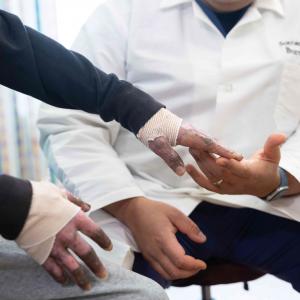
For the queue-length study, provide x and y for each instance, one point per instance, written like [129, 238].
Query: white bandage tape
[50, 211]
[163, 123]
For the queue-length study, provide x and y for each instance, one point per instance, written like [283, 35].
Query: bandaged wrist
[50, 211]
[163, 123]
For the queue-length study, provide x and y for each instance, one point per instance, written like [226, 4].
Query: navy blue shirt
[223, 21]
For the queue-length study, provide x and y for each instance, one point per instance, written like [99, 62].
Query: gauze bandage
[50, 211]
[163, 123]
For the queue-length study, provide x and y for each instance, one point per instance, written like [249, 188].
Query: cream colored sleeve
[50, 211]
[163, 123]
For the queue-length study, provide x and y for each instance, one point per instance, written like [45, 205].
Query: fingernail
[239, 156]
[202, 236]
[87, 287]
[180, 171]
[86, 207]
[201, 265]
[102, 275]
[109, 248]
[204, 266]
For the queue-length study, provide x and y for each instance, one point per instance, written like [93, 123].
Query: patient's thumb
[272, 147]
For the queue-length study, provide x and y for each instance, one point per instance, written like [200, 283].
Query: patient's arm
[258, 176]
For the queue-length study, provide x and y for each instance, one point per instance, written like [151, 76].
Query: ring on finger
[218, 183]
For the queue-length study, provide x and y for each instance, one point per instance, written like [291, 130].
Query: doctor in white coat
[239, 85]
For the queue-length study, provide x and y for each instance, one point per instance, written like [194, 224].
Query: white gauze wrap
[50, 211]
[163, 123]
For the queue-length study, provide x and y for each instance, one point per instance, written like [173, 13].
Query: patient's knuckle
[172, 157]
[210, 144]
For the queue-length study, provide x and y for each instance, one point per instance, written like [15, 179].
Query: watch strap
[283, 186]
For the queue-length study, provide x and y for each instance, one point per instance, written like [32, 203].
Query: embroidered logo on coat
[291, 47]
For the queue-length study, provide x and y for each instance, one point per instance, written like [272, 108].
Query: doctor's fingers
[176, 254]
[168, 270]
[87, 254]
[229, 184]
[89, 228]
[207, 164]
[193, 138]
[161, 147]
[161, 261]
[202, 180]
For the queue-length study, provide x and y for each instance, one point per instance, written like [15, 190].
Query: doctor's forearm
[122, 210]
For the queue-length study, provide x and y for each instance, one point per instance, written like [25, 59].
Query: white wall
[70, 17]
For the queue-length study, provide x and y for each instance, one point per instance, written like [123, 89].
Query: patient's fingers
[75, 269]
[90, 229]
[87, 254]
[163, 149]
[77, 201]
[192, 138]
[55, 270]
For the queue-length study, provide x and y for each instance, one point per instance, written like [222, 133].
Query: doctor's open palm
[258, 176]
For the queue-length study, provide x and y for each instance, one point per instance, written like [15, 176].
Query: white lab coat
[239, 90]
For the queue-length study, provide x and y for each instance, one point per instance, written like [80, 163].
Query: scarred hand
[62, 264]
[191, 138]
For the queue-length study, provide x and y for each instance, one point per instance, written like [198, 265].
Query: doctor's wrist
[270, 185]
[124, 210]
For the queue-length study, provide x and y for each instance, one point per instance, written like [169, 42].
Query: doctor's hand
[154, 226]
[165, 130]
[258, 176]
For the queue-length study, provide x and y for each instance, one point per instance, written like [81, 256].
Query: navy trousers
[245, 236]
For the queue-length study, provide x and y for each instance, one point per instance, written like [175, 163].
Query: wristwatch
[282, 188]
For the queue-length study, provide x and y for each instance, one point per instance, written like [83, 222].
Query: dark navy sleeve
[15, 201]
[38, 66]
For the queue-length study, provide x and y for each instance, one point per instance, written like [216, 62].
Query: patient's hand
[191, 138]
[258, 176]
[63, 266]
[154, 225]
[166, 130]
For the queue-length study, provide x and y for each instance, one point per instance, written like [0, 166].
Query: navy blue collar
[223, 21]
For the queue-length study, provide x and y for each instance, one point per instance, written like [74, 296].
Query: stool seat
[220, 272]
